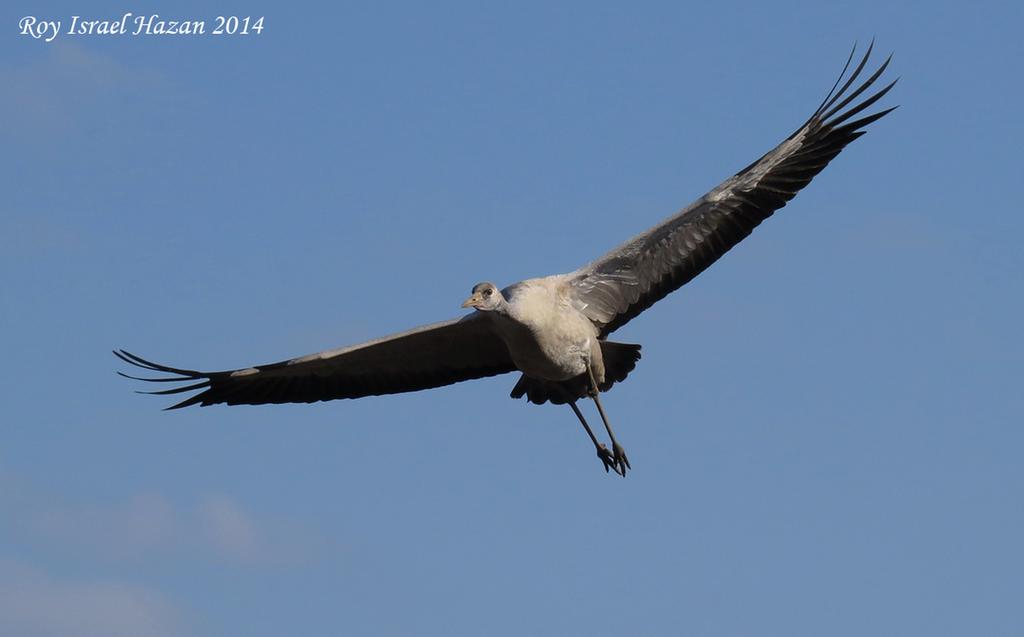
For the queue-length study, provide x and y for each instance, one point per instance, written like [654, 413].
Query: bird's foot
[619, 459]
[610, 463]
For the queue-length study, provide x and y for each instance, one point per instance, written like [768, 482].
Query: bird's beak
[471, 301]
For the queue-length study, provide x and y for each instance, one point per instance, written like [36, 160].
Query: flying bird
[555, 329]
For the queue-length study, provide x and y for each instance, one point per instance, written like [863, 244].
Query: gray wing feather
[626, 281]
[420, 358]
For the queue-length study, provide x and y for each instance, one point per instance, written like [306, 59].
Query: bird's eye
[487, 292]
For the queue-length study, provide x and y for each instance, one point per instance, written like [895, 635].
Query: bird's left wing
[626, 281]
[420, 358]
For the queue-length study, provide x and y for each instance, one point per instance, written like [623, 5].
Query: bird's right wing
[421, 358]
[631, 278]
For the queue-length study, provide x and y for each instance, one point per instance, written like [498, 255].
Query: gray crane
[554, 329]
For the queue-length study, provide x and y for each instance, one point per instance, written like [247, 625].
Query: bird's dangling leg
[618, 453]
[602, 451]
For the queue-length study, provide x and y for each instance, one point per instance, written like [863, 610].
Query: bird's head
[486, 297]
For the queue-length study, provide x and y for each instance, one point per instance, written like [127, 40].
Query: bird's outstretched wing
[421, 358]
[626, 281]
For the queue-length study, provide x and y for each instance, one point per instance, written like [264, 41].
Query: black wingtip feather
[138, 361]
[838, 80]
[867, 103]
[864, 121]
[856, 93]
[849, 81]
[171, 379]
[178, 376]
[188, 402]
[177, 390]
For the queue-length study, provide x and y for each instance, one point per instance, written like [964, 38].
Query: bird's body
[547, 337]
[554, 329]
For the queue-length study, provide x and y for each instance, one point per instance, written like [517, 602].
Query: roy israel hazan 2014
[131, 24]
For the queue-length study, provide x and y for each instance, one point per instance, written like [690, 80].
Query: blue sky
[825, 428]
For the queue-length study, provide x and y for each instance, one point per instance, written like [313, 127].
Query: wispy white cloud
[135, 535]
[231, 529]
[45, 96]
[150, 525]
[34, 603]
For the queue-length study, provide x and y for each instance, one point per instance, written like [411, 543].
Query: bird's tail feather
[619, 360]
